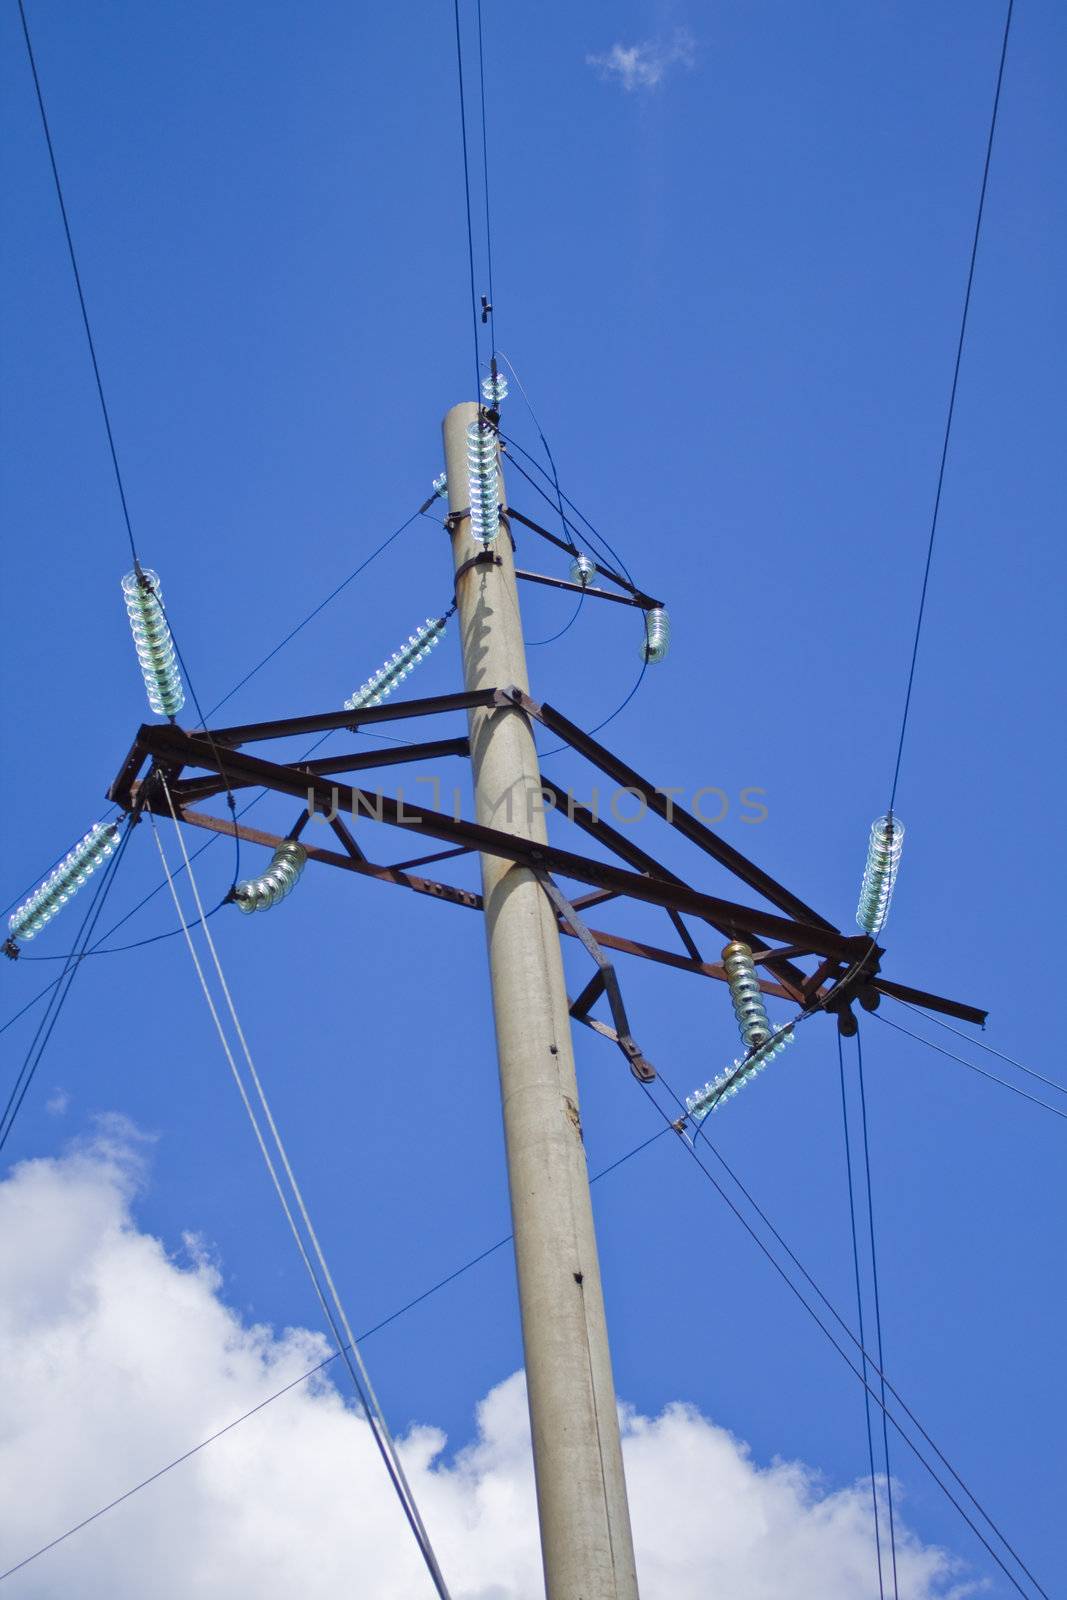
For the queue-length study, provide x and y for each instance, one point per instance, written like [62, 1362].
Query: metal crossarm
[847, 968]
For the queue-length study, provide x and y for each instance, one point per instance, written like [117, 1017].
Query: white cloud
[643, 66]
[117, 1357]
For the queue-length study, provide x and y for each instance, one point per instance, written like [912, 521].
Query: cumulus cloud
[643, 66]
[118, 1356]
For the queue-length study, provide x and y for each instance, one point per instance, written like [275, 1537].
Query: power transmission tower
[585, 1528]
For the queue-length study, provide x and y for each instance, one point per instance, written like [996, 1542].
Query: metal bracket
[604, 981]
[484, 558]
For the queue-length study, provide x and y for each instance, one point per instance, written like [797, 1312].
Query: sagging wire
[534, 644]
[307, 1242]
[619, 709]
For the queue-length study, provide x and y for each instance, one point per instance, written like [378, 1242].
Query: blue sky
[733, 296]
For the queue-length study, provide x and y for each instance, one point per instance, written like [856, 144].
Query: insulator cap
[494, 390]
[440, 484]
[583, 570]
[483, 481]
[152, 638]
[727, 1084]
[657, 640]
[402, 662]
[745, 992]
[260, 894]
[880, 874]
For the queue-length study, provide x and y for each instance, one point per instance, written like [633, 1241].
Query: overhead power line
[303, 1233]
[798, 1293]
[77, 280]
[467, 194]
[1004, 1083]
[877, 1316]
[951, 406]
[859, 1314]
[974, 1039]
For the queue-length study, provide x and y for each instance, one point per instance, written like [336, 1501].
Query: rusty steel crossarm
[196, 789]
[788, 974]
[333, 858]
[930, 1002]
[326, 721]
[398, 875]
[690, 827]
[172, 747]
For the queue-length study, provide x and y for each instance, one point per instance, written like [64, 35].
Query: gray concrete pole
[586, 1542]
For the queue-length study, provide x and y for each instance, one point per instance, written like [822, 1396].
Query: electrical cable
[877, 1315]
[544, 754]
[548, 452]
[859, 1314]
[119, 949]
[533, 644]
[295, 1383]
[689, 1145]
[485, 182]
[973, 1039]
[843, 1325]
[1004, 1083]
[951, 404]
[77, 279]
[315, 611]
[600, 539]
[60, 991]
[332, 1306]
[467, 191]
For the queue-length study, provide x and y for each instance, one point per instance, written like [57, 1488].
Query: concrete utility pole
[581, 1491]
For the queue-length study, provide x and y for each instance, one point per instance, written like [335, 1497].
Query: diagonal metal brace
[605, 981]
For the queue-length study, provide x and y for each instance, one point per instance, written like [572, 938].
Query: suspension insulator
[155, 646]
[583, 570]
[64, 881]
[657, 640]
[404, 661]
[260, 894]
[494, 390]
[749, 1009]
[880, 874]
[440, 485]
[483, 481]
[727, 1084]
